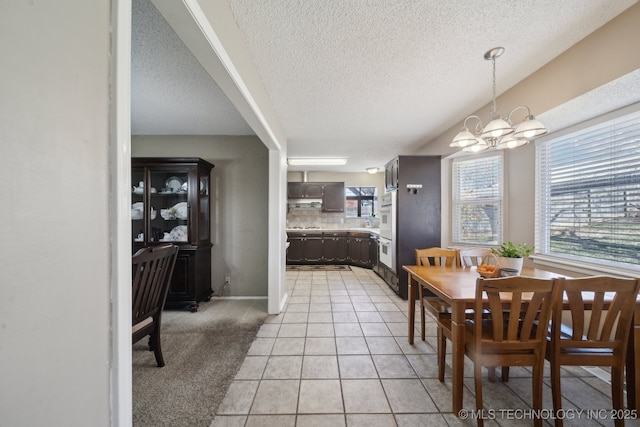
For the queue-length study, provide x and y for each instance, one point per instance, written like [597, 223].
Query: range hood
[304, 203]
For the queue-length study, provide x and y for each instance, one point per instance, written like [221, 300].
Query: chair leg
[491, 373]
[617, 380]
[442, 352]
[477, 373]
[556, 392]
[154, 343]
[536, 391]
[505, 374]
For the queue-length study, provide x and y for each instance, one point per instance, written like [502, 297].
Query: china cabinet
[171, 204]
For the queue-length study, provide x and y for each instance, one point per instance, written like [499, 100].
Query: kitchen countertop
[371, 230]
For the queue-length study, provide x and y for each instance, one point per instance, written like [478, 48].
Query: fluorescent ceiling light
[316, 161]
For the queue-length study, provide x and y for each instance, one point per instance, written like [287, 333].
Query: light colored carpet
[203, 351]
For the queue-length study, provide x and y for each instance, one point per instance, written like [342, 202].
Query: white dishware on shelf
[181, 210]
[173, 184]
[137, 210]
[180, 233]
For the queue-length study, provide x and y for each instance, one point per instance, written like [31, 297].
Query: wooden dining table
[456, 286]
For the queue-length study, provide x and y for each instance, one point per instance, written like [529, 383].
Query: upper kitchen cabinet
[391, 175]
[333, 197]
[171, 204]
[304, 190]
[331, 194]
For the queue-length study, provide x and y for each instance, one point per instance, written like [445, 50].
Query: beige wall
[55, 356]
[239, 183]
[607, 54]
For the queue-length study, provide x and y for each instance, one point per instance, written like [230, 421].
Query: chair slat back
[601, 310]
[518, 309]
[152, 270]
[436, 257]
[472, 256]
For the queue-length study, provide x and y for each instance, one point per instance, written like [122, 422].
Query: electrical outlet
[227, 280]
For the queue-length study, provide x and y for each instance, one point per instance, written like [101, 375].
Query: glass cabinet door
[168, 206]
[203, 211]
[137, 205]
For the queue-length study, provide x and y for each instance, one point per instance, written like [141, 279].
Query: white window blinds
[588, 193]
[477, 200]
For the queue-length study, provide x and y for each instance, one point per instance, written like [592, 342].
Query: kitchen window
[477, 200]
[588, 193]
[360, 201]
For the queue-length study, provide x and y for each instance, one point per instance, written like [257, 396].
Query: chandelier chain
[495, 109]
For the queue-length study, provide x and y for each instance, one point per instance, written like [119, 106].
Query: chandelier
[499, 133]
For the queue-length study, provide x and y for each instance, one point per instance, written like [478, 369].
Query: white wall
[54, 220]
[239, 187]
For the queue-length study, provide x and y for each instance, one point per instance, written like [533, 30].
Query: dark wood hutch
[171, 203]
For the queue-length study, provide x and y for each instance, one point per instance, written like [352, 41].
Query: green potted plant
[511, 256]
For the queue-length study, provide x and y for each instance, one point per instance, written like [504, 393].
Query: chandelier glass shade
[500, 133]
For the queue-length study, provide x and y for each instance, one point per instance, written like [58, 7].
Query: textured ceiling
[364, 79]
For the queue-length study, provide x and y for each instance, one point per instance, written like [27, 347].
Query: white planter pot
[511, 263]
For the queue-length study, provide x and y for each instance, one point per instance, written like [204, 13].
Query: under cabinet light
[317, 161]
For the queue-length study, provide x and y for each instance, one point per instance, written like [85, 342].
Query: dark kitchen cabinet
[304, 190]
[333, 197]
[295, 252]
[304, 248]
[313, 248]
[359, 245]
[391, 170]
[338, 247]
[331, 193]
[334, 247]
[171, 204]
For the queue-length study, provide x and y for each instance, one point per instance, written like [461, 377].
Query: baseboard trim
[239, 297]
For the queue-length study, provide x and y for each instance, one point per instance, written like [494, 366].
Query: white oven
[387, 246]
[387, 214]
[387, 253]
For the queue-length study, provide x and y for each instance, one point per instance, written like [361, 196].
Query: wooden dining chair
[512, 328]
[465, 258]
[435, 257]
[598, 334]
[470, 257]
[152, 271]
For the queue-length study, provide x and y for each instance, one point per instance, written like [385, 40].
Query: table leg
[412, 306]
[457, 355]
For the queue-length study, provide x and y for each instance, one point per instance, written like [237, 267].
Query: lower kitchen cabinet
[313, 248]
[359, 245]
[334, 247]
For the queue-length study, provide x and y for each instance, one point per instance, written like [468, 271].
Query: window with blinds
[588, 192]
[477, 200]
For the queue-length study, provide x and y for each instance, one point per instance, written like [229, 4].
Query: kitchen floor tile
[338, 355]
[320, 396]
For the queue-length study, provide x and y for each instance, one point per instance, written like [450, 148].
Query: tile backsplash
[329, 220]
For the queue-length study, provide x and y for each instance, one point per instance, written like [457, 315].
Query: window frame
[360, 198]
[456, 233]
[544, 254]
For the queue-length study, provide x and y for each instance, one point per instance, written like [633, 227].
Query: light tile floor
[338, 356]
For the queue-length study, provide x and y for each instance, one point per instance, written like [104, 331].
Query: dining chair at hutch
[509, 330]
[601, 310]
[152, 271]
